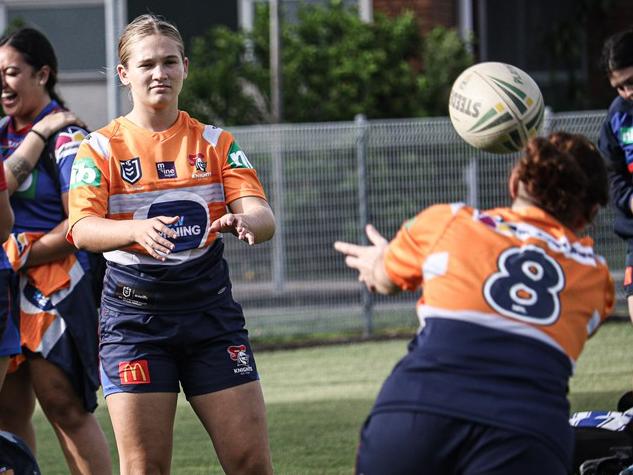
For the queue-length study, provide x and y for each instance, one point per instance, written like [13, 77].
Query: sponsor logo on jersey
[238, 354]
[626, 135]
[85, 173]
[191, 225]
[134, 372]
[166, 170]
[131, 170]
[131, 296]
[237, 158]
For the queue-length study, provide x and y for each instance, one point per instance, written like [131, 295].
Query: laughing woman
[57, 316]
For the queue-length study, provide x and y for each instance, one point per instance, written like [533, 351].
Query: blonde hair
[147, 25]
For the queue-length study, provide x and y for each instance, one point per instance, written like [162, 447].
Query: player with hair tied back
[510, 297]
[154, 190]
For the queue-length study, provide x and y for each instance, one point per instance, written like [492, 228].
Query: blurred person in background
[616, 143]
[510, 295]
[57, 314]
[153, 190]
[9, 343]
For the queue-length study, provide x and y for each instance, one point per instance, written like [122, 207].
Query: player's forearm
[19, 165]
[101, 235]
[50, 247]
[262, 223]
[6, 216]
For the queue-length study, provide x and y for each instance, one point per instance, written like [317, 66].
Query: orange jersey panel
[191, 170]
[516, 271]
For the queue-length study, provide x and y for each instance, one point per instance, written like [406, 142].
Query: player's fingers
[346, 247]
[374, 236]
[149, 247]
[353, 262]
[161, 244]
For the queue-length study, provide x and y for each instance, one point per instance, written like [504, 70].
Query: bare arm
[101, 234]
[250, 219]
[6, 216]
[18, 166]
[369, 261]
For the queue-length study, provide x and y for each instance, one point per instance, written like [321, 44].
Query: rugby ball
[496, 107]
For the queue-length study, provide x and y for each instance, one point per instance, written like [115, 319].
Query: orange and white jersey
[517, 271]
[191, 170]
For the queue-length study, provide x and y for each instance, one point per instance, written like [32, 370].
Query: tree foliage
[334, 67]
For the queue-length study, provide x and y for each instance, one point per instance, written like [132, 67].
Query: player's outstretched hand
[236, 224]
[365, 258]
[154, 234]
[55, 121]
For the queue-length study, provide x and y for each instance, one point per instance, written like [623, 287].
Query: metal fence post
[363, 216]
[279, 246]
[471, 177]
[548, 122]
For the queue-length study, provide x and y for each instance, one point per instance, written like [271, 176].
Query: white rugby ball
[496, 107]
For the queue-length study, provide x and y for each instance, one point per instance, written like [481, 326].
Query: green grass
[317, 399]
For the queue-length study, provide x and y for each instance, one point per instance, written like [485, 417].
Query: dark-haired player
[616, 143]
[510, 297]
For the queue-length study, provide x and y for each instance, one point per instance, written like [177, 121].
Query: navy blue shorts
[203, 352]
[394, 443]
[9, 316]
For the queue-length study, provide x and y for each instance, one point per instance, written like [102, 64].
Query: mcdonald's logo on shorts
[134, 372]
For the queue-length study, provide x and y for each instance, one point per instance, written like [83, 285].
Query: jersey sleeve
[66, 145]
[616, 145]
[414, 241]
[238, 174]
[89, 183]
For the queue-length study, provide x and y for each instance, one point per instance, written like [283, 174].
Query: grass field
[317, 399]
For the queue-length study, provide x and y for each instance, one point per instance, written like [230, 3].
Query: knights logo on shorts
[238, 354]
[131, 170]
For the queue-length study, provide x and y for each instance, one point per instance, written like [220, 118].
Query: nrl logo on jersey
[131, 170]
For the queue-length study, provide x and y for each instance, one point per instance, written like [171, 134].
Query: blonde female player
[510, 297]
[152, 190]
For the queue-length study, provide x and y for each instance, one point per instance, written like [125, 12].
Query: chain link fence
[325, 181]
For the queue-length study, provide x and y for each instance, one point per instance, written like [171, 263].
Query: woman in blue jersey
[57, 314]
[510, 295]
[616, 143]
[6, 224]
[153, 190]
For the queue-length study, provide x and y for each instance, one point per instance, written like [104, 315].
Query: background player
[616, 143]
[152, 189]
[510, 296]
[6, 224]
[58, 332]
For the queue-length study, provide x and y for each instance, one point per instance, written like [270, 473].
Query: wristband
[39, 134]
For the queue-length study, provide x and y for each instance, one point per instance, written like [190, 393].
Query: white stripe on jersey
[524, 231]
[132, 258]
[490, 320]
[129, 203]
